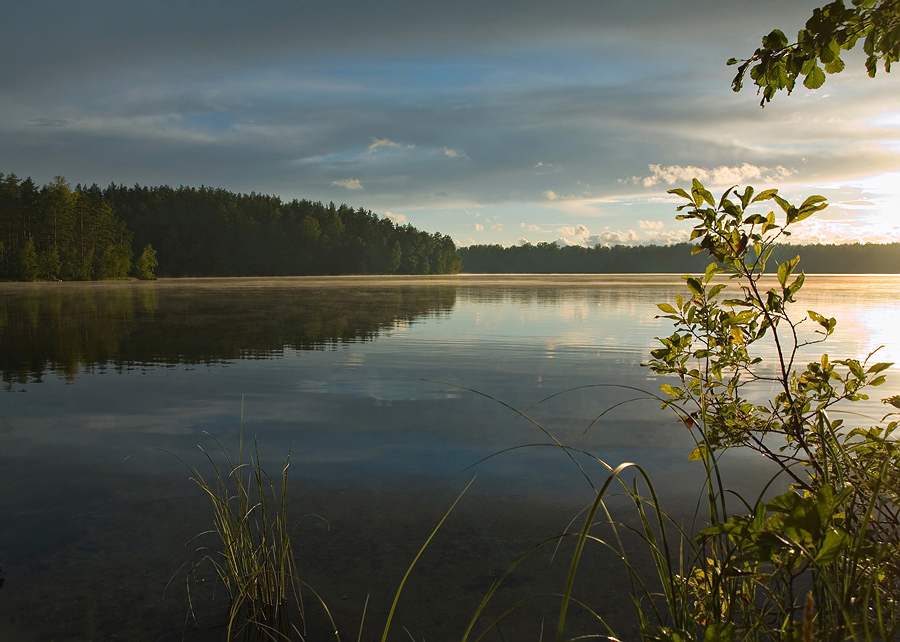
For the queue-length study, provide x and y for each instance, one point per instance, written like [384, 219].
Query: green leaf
[720, 632]
[701, 194]
[832, 545]
[796, 285]
[711, 270]
[670, 390]
[679, 192]
[765, 195]
[814, 79]
[783, 204]
[878, 367]
[700, 453]
[785, 270]
[695, 286]
[715, 290]
[667, 307]
[815, 199]
[775, 40]
[835, 66]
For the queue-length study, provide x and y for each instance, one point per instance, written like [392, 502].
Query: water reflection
[344, 376]
[82, 327]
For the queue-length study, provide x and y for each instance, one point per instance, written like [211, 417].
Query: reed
[254, 560]
[254, 557]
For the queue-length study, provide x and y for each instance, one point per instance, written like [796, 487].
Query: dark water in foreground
[380, 390]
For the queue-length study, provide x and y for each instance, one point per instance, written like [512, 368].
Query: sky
[506, 121]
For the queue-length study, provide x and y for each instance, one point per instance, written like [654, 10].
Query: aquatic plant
[255, 557]
[255, 562]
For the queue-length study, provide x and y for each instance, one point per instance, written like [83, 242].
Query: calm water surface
[389, 395]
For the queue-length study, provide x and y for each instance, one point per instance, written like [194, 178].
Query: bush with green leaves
[820, 561]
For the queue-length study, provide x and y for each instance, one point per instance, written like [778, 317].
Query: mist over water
[386, 391]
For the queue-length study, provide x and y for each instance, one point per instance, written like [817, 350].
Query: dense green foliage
[818, 561]
[550, 258]
[55, 232]
[145, 266]
[214, 232]
[829, 31]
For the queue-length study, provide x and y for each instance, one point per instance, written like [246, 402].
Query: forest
[869, 258]
[57, 232]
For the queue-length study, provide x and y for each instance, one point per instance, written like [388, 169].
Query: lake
[389, 393]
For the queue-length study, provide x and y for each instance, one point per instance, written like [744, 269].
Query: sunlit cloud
[651, 225]
[665, 237]
[478, 227]
[551, 195]
[397, 219]
[381, 142]
[454, 153]
[717, 176]
[349, 183]
[530, 228]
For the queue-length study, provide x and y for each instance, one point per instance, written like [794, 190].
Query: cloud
[614, 237]
[651, 225]
[522, 241]
[579, 232]
[718, 176]
[381, 142]
[581, 235]
[530, 228]
[478, 227]
[668, 237]
[349, 183]
[397, 219]
[551, 195]
[454, 153]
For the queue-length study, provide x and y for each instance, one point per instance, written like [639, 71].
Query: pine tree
[146, 264]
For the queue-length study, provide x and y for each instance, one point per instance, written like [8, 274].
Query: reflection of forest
[65, 331]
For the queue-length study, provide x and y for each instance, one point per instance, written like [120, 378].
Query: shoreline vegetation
[60, 233]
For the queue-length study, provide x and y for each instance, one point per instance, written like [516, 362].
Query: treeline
[551, 258]
[57, 232]
[214, 232]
